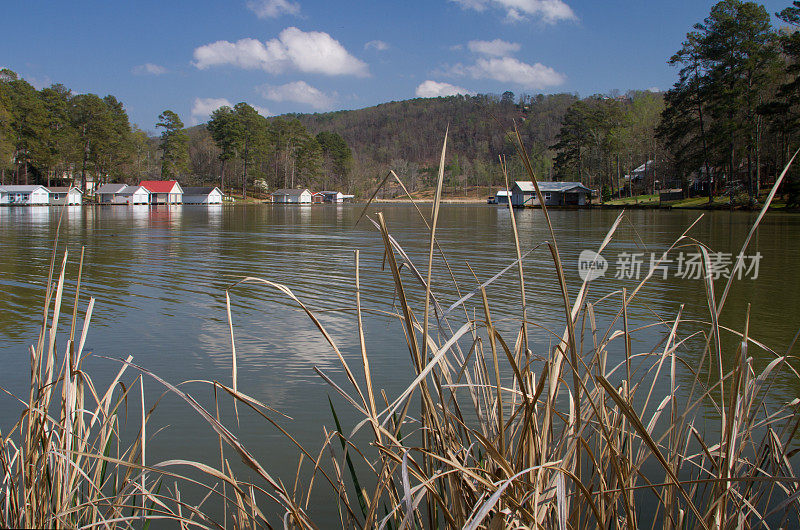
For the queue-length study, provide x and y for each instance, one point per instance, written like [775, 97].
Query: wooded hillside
[407, 135]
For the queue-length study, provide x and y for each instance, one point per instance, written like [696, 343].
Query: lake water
[159, 277]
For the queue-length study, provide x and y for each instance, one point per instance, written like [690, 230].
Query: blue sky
[313, 56]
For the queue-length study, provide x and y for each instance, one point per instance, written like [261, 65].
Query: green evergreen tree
[28, 123]
[174, 146]
[224, 129]
[61, 138]
[337, 158]
[90, 117]
[251, 138]
[118, 149]
[6, 138]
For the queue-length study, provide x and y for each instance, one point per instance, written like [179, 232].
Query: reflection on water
[154, 269]
[159, 275]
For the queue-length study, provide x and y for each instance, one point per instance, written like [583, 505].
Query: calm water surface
[159, 277]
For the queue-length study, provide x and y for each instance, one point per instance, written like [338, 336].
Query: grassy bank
[654, 202]
[720, 202]
[396, 193]
[644, 200]
[493, 430]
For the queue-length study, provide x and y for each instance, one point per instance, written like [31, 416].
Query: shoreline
[426, 201]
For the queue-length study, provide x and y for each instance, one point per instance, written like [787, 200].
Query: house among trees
[292, 196]
[202, 195]
[163, 191]
[554, 194]
[65, 195]
[640, 172]
[24, 195]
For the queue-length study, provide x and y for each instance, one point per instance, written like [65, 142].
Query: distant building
[109, 193]
[65, 195]
[202, 195]
[292, 196]
[639, 173]
[502, 197]
[163, 191]
[334, 196]
[133, 195]
[24, 195]
[91, 183]
[554, 194]
[674, 194]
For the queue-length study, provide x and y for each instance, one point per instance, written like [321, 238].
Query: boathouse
[202, 195]
[334, 196]
[24, 195]
[502, 197]
[554, 194]
[163, 191]
[109, 193]
[291, 196]
[64, 195]
[133, 195]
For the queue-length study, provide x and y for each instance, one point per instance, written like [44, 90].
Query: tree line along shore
[723, 131]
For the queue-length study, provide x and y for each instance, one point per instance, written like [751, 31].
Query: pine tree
[90, 117]
[174, 146]
[225, 132]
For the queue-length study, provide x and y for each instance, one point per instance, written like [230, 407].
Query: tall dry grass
[489, 434]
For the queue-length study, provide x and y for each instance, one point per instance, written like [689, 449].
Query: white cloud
[654, 89]
[273, 8]
[434, 89]
[298, 92]
[203, 107]
[377, 45]
[250, 54]
[309, 52]
[496, 47]
[149, 69]
[549, 11]
[510, 70]
[264, 111]
[318, 52]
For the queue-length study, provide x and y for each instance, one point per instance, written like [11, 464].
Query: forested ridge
[727, 126]
[407, 136]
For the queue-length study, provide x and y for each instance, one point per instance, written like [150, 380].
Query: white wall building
[335, 196]
[64, 196]
[133, 195]
[202, 195]
[164, 191]
[554, 194]
[292, 196]
[109, 193]
[24, 195]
